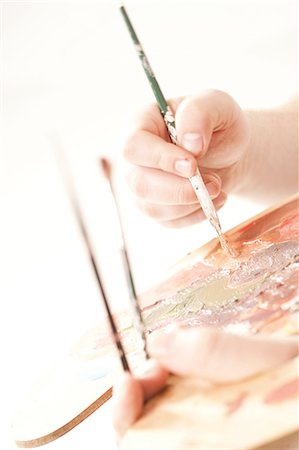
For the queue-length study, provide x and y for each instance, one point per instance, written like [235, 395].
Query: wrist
[268, 171]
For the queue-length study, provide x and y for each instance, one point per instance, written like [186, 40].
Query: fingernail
[184, 167]
[160, 342]
[192, 142]
[213, 188]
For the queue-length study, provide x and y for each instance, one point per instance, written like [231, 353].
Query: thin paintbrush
[78, 214]
[138, 320]
[196, 181]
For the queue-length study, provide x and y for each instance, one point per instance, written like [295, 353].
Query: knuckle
[128, 147]
[214, 93]
[138, 184]
[163, 160]
[147, 118]
[150, 119]
[182, 192]
[150, 210]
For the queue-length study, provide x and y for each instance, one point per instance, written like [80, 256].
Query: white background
[69, 81]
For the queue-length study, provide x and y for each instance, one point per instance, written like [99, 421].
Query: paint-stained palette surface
[254, 293]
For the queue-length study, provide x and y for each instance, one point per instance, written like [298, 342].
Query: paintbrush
[196, 181]
[79, 217]
[137, 315]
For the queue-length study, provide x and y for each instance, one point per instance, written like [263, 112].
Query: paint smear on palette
[246, 294]
[236, 403]
[282, 393]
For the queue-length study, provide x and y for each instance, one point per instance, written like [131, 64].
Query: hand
[213, 355]
[212, 132]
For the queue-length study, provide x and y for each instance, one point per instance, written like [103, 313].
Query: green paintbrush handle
[164, 108]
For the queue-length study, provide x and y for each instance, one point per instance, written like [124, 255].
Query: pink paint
[290, 226]
[283, 392]
[179, 280]
[265, 224]
[235, 404]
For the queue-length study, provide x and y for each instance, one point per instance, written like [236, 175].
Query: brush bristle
[106, 167]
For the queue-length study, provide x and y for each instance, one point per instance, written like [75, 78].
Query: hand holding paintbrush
[196, 180]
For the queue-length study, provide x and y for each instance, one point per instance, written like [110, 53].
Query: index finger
[149, 150]
[149, 144]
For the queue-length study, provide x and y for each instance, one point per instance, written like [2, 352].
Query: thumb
[218, 356]
[197, 117]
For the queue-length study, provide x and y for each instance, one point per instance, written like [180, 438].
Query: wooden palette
[246, 415]
[67, 394]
